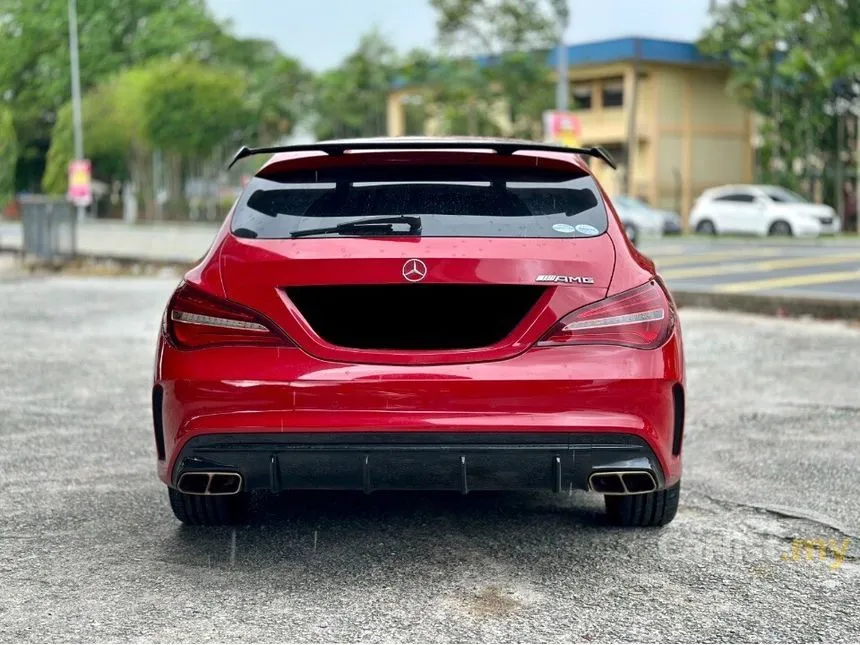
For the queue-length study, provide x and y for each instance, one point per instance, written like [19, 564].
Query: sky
[322, 32]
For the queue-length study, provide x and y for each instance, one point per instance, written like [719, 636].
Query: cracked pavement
[89, 550]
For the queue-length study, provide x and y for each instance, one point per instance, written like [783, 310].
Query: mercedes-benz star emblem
[414, 270]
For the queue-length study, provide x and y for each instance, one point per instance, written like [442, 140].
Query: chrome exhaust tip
[622, 482]
[209, 483]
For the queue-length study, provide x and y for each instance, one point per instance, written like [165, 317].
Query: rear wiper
[369, 226]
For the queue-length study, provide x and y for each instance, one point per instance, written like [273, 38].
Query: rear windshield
[450, 202]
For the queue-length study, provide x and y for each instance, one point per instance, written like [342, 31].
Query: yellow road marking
[755, 267]
[791, 281]
[715, 256]
[675, 249]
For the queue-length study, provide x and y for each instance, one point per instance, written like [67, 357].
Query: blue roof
[644, 49]
[621, 49]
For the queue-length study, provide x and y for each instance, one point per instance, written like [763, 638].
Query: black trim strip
[158, 421]
[501, 146]
[458, 461]
[679, 405]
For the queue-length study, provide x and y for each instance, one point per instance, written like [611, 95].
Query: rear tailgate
[505, 251]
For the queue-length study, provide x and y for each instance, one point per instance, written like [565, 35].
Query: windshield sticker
[585, 229]
[563, 228]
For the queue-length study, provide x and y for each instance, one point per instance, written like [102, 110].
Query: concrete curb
[105, 258]
[770, 305]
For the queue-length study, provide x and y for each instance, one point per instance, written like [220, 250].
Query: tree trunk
[140, 164]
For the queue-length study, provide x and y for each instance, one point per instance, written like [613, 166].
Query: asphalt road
[824, 268]
[89, 550]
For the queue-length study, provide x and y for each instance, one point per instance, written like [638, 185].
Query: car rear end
[516, 342]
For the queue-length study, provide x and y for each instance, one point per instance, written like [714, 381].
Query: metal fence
[49, 227]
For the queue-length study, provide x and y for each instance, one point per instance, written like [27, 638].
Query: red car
[430, 314]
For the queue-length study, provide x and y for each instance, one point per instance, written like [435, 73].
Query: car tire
[780, 228]
[646, 509]
[706, 227]
[208, 510]
[632, 233]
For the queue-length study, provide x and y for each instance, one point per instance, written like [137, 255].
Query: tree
[189, 108]
[8, 155]
[117, 35]
[278, 90]
[184, 110]
[113, 34]
[524, 81]
[498, 26]
[114, 131]
[350, 100]
[497, 50]
[788, 58]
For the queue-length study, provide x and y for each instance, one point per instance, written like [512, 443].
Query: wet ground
[766, 545]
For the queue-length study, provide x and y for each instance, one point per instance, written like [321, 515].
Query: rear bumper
[324, 423]
[416, 461]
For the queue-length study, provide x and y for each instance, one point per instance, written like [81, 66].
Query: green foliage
[788, 57]
[279, 95]
[503, 93]
[350, 100]
[180, 107]
[8, 155]
[506, 89]
[114, 124]
[190, 108]
[495, 26]
[524, 82]
[118, 35]
[113, 34]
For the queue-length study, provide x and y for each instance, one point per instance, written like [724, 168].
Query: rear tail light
[196, 319]
[641, 318]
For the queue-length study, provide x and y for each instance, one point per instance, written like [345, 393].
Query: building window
[613, 93]
[581, 97]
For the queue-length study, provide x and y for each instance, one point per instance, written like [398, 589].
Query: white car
[671, 220]
[760, 210]
[639, 221]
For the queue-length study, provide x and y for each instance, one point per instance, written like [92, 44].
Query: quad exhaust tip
[622, 482]
[209, 483]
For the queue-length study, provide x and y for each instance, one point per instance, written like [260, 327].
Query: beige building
[664, 101]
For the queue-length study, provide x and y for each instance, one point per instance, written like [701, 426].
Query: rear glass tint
[451, 201]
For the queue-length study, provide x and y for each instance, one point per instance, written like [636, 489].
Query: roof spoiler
[501, 147]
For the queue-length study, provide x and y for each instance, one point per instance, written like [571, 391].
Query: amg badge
[569, 279]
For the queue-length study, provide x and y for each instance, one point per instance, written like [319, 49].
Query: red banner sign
[80, 182]
[562, 128]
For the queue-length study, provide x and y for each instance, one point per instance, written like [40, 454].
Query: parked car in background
[638, 222]
[671, 220]
[760, 210]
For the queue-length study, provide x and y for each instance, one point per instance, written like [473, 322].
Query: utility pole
[562, 89]
[840, 167]
[77, 119]
[857, 168]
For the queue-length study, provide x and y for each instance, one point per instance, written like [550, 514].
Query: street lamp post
[77, 120]
[561, 90]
